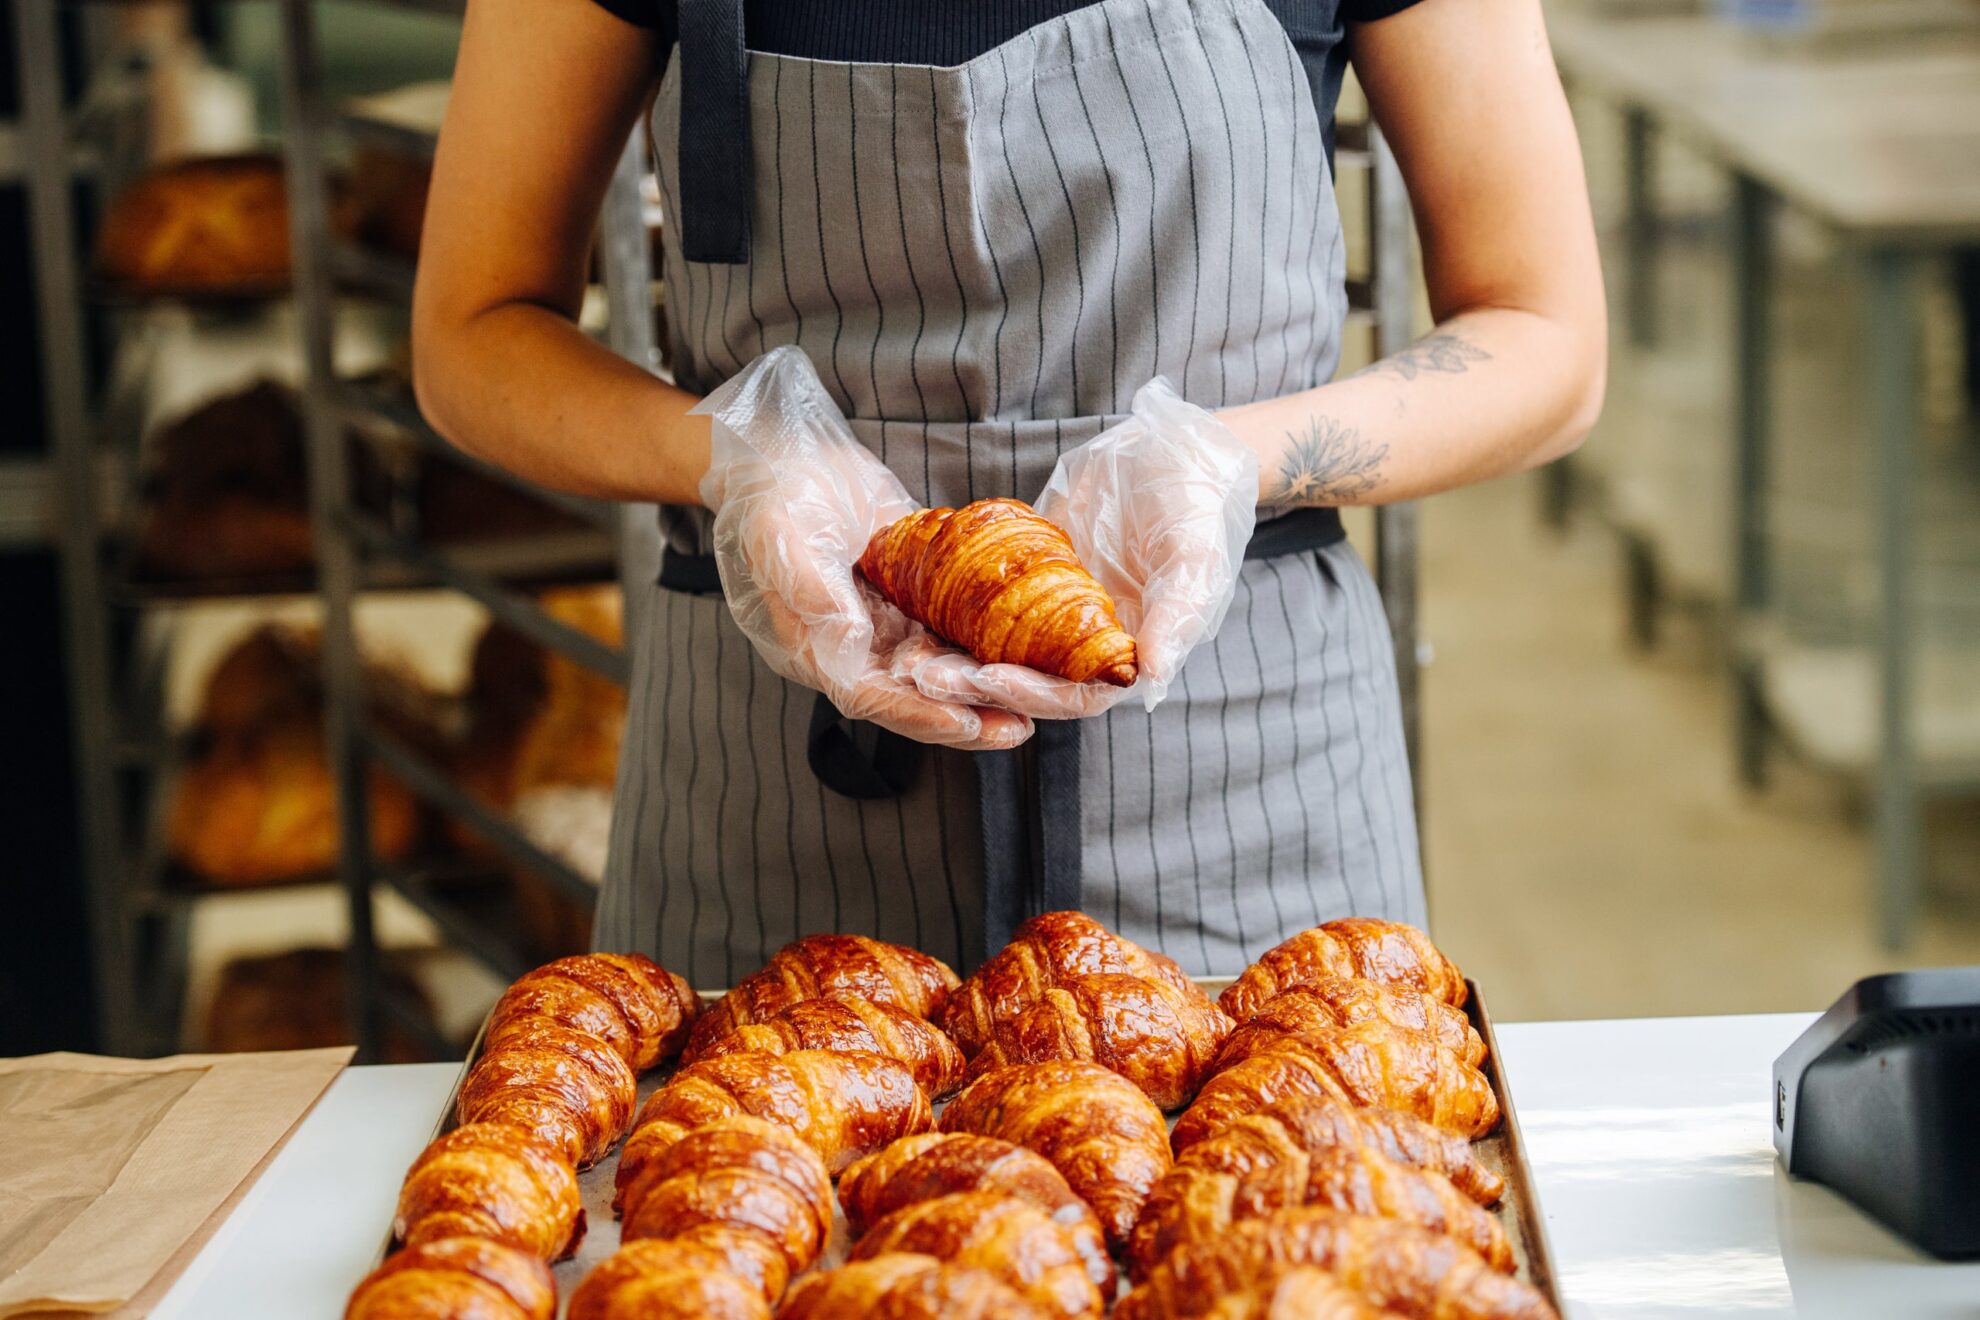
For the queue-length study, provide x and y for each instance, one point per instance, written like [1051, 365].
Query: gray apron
[984, 262]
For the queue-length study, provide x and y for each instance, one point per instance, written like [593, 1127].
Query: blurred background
[1699, 717]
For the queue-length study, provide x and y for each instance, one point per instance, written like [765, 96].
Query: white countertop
[1649, 1141]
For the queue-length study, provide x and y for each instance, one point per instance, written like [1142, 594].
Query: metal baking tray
[1503, 1151]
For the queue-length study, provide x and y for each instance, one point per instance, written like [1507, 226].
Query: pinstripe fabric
[984, 262]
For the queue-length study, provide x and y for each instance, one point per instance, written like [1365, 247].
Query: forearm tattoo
[1439, 354]
[1329, 464]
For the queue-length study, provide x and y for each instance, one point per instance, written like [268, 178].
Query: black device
[1880, 1101]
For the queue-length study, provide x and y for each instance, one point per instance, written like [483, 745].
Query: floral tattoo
[1329, 464]
[1438, 354]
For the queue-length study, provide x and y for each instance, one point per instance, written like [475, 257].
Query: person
[987, 224]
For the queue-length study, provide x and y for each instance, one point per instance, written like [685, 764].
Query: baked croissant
[651, 1280]
[1099, 1131]
[1385, 951]
[747, 1186]
[921, 1168]
[1343, 1001]
[1001, 1235]
[853, 1024]
[1144, 1029]
[494, 1181]
[1199, 1199]
[567, 1087]
[1300, 1294]
[1410, 1270]
[841, 1105]
[906, 1286]
[1369, 1063]
[1303, 1126]
[828, 967]
[1049, 950]
[626, 1000]
[451, 1278]
[1004, 584]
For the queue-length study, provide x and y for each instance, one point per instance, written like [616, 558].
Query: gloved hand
[796, 498]
[1160, 508]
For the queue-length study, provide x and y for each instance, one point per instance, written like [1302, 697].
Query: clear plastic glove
[796, 498]
[1160, 509]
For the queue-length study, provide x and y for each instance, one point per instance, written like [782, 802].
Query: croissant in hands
[1147, 1031]
[568, 1088]
[491, 1180]
[453, 1277]
[936, 1164]
[1409, 1270]
[1198, 1200]
[1001, 1235]
[1388, 952]
[626, 1000]
[853, 1024]
[1098, 1130]
[1342, 1002]
[1004, 584]
[1048, 950]
[651, 1280]
[841, 1105]
[828, 967]
[907, 1286]
[747, 1187]
[1369, 1063]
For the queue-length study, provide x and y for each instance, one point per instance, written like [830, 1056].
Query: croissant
[1005, 585]
[841, 1105]
[451, 1278]
[1410, 1270]
[932, 1164]
[1200, 1199]
[650, 1280]
[1051, 949]
[1144, 1029]
[751, 1187]
[567, 1087]
[1299, 1294]
[906, 1286]
[828, 967]
[852, 1024]
[1385, 951]
[493, 1181]
[1099, 1131]
[1302, 1126]
[1369, 1063]
[626, 1000]
[1001, 1235]
[1344, 1001]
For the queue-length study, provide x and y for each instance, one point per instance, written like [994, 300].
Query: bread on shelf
[207, 224]
[455, 1277]
[495, 1181]
[1366, 948]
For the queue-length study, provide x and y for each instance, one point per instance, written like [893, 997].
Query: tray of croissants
[1077, 1129]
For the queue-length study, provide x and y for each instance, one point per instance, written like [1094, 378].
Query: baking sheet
[1503, 1151]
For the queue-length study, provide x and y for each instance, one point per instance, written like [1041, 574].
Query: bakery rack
[352, 544]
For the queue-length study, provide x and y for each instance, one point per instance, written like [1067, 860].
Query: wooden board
[1503, 1151]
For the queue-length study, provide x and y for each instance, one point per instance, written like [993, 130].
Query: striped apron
[984, 262]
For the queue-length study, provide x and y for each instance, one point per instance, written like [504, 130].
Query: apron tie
[716, 166]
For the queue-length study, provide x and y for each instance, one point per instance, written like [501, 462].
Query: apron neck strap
[716, 168]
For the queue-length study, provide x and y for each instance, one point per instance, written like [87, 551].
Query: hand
[796, 499]
[1160, 508]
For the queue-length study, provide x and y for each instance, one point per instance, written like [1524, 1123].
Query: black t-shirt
[950, 32]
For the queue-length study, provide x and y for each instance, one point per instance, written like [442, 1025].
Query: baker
[987, 223]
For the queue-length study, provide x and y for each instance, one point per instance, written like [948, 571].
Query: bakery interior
[1694, 713]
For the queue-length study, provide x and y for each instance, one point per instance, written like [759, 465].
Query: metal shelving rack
[350, 543]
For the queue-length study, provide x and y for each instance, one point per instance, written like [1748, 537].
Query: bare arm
[1513, 374]
[544, 95]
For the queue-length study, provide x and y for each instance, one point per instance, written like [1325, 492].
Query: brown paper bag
[110, 1169]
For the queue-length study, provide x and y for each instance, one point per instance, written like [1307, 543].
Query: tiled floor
[1589, 851]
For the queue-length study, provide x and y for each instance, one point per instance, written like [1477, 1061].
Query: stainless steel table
[1883, 147]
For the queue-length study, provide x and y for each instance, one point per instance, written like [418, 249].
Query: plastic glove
[1160, 508]
[796, 498]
